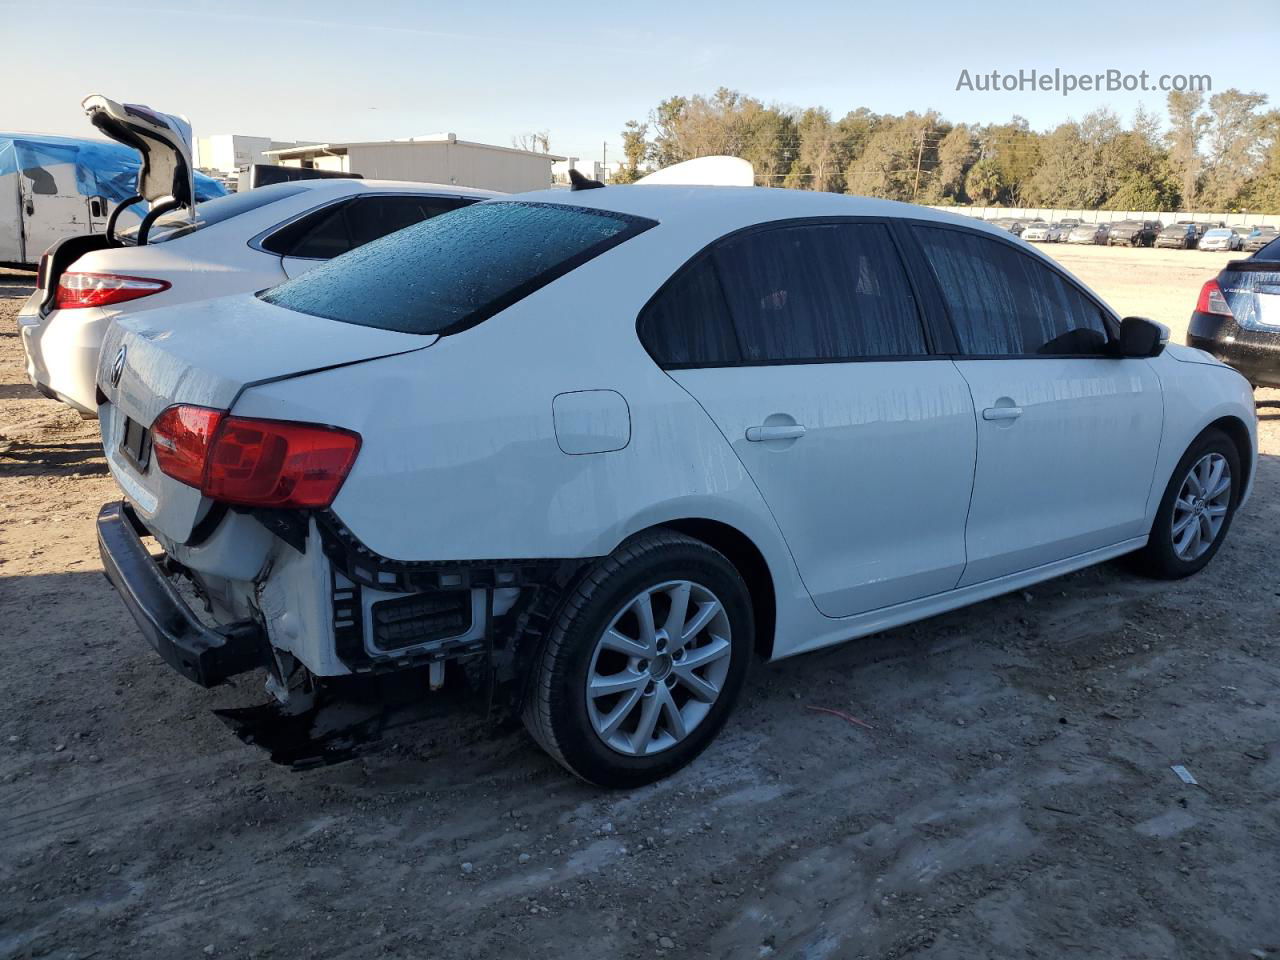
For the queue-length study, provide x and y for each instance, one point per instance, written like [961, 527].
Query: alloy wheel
[658, 668]
[1201, 507]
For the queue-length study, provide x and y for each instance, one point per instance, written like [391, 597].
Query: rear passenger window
[819, 292]
[1004, 303]
[320, 236]
[327, 233]
[369, 218]
[687, 323]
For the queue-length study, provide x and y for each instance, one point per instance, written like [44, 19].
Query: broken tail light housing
[103, 289]
[253, 462]
[1212, 300]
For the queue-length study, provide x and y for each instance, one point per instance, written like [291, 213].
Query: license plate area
[135, 443]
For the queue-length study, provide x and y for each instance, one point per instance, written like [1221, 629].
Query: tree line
[1220, 153]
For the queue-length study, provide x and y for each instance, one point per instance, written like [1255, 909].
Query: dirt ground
[1013, 796]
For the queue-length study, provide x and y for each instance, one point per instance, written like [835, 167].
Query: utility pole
[919, 160]
[605, 161]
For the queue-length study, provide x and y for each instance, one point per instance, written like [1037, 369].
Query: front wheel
[647, 656]
[1197, 508]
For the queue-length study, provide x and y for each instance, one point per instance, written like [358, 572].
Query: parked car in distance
[1221, 238]
[1179, 235]
[622, 449]
[1093, 233]
[1010, 225]
[1133, 233]
[1237, 317]
[1070, 223]
[1037, 231]
[1259, 237]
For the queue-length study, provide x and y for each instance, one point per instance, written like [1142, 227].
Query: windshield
[453, 271]
[1218, 233]
[179, 223]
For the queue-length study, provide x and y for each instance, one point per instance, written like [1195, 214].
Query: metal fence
[1114, 216]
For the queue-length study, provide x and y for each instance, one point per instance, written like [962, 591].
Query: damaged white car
[605, 447]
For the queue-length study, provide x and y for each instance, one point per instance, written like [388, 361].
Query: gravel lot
[1012, 798]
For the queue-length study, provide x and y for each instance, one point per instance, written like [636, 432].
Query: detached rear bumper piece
[201, 654]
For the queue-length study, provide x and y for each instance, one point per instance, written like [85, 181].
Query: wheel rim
[1201, 507]
[658, 668]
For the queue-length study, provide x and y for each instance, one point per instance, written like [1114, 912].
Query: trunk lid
[1252, 290]
[206, 353]
[163, 139]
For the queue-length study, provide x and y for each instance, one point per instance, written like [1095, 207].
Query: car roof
[353, 185]
[727, 208]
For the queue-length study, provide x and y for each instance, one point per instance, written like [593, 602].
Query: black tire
[1158, 558]
[555, 705]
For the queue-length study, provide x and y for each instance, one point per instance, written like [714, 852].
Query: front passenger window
[1004, 303]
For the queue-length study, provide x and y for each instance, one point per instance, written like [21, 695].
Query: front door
[806, 347]
[1068, 432]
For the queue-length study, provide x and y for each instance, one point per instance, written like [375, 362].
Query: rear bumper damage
[204, 655]
[325, 602]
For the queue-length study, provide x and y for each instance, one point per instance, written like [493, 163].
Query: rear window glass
[448, 273]
[1270, 252]
[179, 223]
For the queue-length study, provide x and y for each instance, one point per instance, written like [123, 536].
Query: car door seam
[973, 482]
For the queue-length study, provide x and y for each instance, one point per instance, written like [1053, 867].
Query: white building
[227, 153]
[439, 158]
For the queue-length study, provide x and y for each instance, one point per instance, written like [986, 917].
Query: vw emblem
[117, 368]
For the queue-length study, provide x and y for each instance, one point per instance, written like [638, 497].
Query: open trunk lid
[163, 139]
[206, 354]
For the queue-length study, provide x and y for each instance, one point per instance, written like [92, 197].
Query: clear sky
[487, 71]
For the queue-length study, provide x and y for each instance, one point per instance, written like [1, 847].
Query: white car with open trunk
[183, 251]
[606, 446]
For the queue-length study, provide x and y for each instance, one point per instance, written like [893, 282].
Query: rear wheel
[1196, 510]
[646, 658]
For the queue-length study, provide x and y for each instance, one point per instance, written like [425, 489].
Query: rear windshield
[179, 223]
[455, 270]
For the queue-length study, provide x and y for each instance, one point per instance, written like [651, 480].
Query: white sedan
[233, 244]
[607, 446]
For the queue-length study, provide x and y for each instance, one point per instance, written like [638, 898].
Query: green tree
[634, 150]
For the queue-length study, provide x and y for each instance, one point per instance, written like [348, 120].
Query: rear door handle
[787, 431]
[1001, 413]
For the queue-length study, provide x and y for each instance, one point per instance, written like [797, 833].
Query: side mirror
[1140, 337]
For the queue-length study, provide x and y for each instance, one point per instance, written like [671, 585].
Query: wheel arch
[747, 558]
[1239, 435]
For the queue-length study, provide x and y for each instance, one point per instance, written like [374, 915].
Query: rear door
[805, 344]
[324, 234]
[1067, 432]
[51, 206]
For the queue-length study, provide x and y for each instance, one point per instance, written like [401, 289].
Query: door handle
[1001, 413]
[783, 431]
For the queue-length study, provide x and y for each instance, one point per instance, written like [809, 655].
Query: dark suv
[1237, 318]
[1135, 233]
[1183, 236]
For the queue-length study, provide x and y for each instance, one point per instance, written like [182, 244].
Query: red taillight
[102, 289]
[1212, 301]
[261, 463]
[180, 440]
